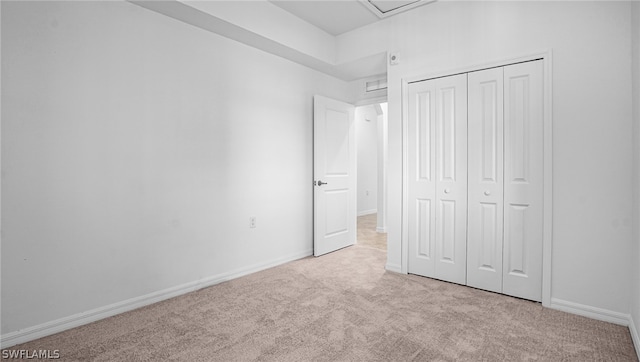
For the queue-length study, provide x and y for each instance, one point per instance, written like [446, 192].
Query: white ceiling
[334, 17]
[340, 16]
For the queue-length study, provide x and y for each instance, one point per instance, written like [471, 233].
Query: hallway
[367, 234]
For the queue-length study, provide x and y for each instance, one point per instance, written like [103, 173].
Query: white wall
[635, 255]
[592, 121]
[382, 169]
[366, 119]
[275, 23]
[134, 150]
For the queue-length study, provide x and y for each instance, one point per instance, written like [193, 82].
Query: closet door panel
[421, 188]
[485, 168]
[451, 178]
[523, 178]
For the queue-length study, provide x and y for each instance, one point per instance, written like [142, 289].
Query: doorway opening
[371, 140]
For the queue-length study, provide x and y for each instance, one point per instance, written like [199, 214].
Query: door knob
[320, 183]
[446, 191]
[487, 193]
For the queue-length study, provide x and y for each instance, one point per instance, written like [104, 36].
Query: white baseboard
[367, 212]
[76, 320]
[393, 268]
[635, 337]
[590, 312]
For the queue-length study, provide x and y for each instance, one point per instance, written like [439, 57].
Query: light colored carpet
[367, 234]
[342, 307]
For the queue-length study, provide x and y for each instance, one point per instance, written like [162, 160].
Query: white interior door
[438, 178]
[485, 215]
[334, 158]
[523, 180]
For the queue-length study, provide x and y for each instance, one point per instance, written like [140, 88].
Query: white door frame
[546, 58]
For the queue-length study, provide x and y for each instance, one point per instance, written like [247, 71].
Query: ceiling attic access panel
[386, 8]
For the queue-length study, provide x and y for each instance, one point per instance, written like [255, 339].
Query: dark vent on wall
[375, 85]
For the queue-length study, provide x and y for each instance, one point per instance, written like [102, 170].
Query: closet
[475, 179]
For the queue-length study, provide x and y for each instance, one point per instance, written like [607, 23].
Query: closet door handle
[446, 191]
[487, 193]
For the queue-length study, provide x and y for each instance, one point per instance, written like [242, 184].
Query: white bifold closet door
[438, 178]
[523, 180]
[506, 180]
[486, 187]
[476, 195]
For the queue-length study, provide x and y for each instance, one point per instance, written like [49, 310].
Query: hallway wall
[366, 119]
[635, 255]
